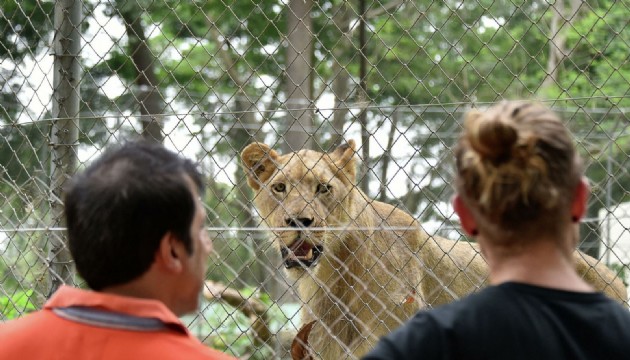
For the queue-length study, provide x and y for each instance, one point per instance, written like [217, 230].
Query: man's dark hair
[120, 207]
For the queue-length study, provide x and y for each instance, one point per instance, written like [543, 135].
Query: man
[136, 233]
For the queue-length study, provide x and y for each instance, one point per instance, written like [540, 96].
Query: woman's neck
[541, 263]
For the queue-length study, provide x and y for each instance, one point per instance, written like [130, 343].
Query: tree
[589, 79]
[25, 28]
[299, 69]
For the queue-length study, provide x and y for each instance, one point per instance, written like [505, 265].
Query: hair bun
[491, 136]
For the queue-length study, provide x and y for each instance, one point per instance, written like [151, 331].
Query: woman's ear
[465, 217]
[580, 198]
[170, 253]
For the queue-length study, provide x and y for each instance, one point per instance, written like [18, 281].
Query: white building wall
[615, 230]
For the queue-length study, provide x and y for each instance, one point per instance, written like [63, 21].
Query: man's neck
[133, 288]
[147, 286]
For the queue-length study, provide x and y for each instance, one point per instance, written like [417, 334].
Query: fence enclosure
[206, 78]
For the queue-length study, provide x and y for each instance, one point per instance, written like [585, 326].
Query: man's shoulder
[27, 322]
[17, 337]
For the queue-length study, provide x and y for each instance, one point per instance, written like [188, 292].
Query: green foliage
[23, 156]
[17, 305]
[24, 25]
[116, 62]
[225, 328]
[23, 176]
[597, 66]
[621, 271]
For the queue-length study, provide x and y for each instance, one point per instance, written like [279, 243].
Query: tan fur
[378, 266]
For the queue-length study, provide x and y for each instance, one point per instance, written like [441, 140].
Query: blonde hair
[517, 166]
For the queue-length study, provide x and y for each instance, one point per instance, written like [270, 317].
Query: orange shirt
[86, 325]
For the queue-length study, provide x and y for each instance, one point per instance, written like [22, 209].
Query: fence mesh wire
[206, 78]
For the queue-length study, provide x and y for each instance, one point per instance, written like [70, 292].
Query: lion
[361, 266]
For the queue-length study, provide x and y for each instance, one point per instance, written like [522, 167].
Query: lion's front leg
[324, 342]
[335, 327]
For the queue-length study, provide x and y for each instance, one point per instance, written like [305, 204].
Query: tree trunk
[387, 157]
[148, 95]
[558, 38]
[341, 77]
[364, 174]
[299, 69]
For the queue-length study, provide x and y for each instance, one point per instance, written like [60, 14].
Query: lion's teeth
[310, 254]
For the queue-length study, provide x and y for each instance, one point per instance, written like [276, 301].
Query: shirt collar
[68, 296]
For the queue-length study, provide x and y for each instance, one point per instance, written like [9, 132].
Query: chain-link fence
[208, 77]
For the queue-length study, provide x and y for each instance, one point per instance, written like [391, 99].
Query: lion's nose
[299, 221]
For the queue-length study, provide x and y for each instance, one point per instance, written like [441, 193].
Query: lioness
[362, 266]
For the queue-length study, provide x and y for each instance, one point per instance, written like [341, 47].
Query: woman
[520, 193]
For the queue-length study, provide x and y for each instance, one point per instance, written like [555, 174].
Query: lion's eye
[279, 187]
[323, 188]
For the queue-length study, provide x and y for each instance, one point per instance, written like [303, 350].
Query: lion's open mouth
[301, 253]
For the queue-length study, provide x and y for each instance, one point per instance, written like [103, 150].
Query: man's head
[120, 209]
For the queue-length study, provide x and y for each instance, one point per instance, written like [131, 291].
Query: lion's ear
[343, 158]
[259, 161]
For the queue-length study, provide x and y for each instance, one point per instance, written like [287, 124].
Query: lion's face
[299, 195]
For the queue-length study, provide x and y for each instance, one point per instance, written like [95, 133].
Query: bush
[17, 305]
[225, 328]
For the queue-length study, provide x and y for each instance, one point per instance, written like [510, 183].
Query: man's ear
[465, 217]
[580, 199]
[343, 158]
[259, 161]
[170, 253]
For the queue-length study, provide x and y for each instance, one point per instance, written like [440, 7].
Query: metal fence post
[64, 133]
